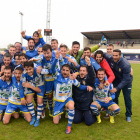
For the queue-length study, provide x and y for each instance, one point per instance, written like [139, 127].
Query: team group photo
[54, 89]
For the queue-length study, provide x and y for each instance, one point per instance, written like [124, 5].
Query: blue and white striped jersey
[100, 94]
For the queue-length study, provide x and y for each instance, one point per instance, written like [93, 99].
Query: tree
[8, 46]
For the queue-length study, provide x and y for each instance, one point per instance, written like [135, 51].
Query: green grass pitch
[121, 130]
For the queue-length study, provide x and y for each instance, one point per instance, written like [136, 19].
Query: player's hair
[101, 69]
[36, 32]
[19, 43]
[28, 64]
[54, 40]
[46, 47]
[117, 50]
[99, 52]
[7, 55]
[23, 54]
[12, 46]
[87, 48]
[110, 45]
[8, 68]
[75, 43]
[19, 68]
[16, 55]
[66, 65]
[63, 46]
[31, 39]
[83, 66]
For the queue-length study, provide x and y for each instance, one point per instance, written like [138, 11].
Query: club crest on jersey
[119, 69]
[84, 82]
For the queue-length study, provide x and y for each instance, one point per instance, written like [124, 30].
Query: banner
[134, 57]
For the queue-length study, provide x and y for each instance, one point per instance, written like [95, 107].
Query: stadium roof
[114, 34]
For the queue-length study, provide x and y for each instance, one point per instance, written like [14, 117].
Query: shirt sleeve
[21, 91]
[125, 77]
[27, 37]
[41, 40]
[77, 84]
[109, 72]
[94, 48]
[95, 65]
[112, 94]
[107, 57]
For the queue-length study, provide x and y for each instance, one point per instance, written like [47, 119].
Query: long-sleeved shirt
[83, 99]
[110, 75]
[30, 54]
[121, 70]
[40, 43]
[93, 62]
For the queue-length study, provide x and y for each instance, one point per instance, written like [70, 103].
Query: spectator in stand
[132, 43]
[118, 43]
[123, 44]
[110, 48]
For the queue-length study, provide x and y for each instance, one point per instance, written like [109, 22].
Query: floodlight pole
[21, 25]
[48, 39]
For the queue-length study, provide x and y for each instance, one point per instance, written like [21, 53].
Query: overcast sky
[68, 18]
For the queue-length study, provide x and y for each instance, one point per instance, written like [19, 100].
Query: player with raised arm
[14, 102]
[39, 41]
[46, 63]
[63, 92]
[103, 98]
[31, 52]
[96, 66]
[83, 99]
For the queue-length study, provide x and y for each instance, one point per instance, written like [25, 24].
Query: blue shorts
[12, 108]
[59, 106]
[31, 92]
[41, 94]
[49, 86]
[2, 108]
[106, 105]
[28, 91]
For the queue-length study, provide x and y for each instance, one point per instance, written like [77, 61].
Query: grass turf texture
[20, 129]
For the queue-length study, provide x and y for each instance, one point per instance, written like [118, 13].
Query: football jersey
[63, 87]
[16, 90]
[100, 94]
[5, 90]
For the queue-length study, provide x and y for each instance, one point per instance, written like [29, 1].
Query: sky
[68, 18]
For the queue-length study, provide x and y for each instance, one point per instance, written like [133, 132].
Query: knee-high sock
[94, 109]
[31, 109]
[39, 110]
[45, 99]
[50, 101]
[70, 117]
